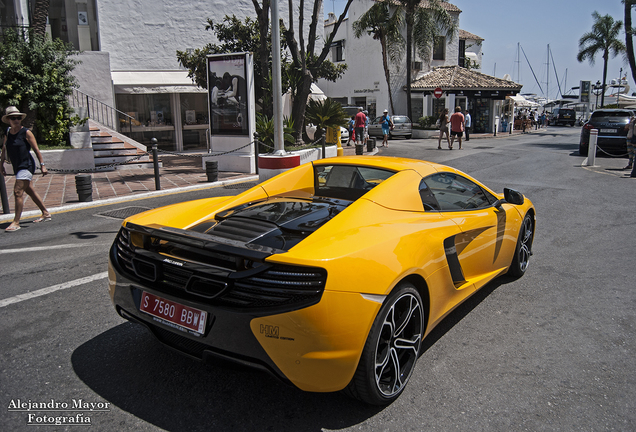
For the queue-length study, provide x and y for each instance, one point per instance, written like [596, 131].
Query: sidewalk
[58, 190]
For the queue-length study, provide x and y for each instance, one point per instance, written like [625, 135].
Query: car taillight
[588, 126]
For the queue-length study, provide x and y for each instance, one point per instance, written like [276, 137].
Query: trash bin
[359, 149]
[84, 187]
[212, 170]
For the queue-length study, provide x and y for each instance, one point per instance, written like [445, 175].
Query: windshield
[348, 182]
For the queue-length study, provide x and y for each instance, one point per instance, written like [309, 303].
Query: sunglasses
[15, 118]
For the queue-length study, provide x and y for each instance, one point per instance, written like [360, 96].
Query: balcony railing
[102, 113]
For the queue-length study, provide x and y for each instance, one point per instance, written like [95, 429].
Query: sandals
[42, 219]
[12, 228]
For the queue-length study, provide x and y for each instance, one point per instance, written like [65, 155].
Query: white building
[364, 82]
[129, 56]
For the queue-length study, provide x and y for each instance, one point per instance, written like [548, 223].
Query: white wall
[365, 73]
[145, 34]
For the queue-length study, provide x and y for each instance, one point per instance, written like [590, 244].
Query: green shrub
[427, 122]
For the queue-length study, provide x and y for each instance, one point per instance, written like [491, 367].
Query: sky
[534, 25]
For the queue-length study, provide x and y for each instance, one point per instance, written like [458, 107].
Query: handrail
[101, 112]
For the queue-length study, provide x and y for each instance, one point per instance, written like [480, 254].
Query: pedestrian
[17, 145]
[443, 129]
[631, 142]
[457, 127]
[352, 122]
[468, 122]
[386, 123]
[535, 119]
[360, 121]
[366, 127]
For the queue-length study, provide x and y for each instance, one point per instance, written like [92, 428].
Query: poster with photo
[228, 95]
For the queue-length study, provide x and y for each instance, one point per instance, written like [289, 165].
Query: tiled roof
[448, 6]
[459, 78]
[463, 34]
[425, 4]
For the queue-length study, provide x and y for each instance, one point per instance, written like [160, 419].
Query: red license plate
[173, 312]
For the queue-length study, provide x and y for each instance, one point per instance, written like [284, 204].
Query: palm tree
[384, 27]
[629, 34]
[603, 38]
[40, 14]
[325, 114]
[424, 20]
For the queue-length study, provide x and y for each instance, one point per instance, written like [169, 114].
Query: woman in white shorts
[17, 145]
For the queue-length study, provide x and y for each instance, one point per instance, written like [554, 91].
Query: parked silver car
[402, 126]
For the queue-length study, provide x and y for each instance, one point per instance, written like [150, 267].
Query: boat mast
[547, 83]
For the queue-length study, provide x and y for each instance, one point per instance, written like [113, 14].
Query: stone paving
[59, 189]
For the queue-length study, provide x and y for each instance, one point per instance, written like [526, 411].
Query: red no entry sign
[438, 92]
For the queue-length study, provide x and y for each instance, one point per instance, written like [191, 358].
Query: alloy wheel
[526, 244]
[398, 344]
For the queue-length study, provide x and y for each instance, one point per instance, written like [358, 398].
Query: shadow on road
[129, 368]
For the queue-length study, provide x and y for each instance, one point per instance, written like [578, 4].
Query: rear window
[566, 112]
[611, 116]
[400, 119]
[348, 182]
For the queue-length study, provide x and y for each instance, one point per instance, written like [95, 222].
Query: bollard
[155, 163]
[591, 149]
[84, 187]
[3, 193]
[370, 144]
[322, 143]
[212, 170]
[359, 149]
[256, 151]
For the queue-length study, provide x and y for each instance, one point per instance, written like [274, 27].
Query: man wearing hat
[17, 145]
[385, 121]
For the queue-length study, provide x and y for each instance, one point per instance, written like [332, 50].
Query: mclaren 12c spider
[329, 275]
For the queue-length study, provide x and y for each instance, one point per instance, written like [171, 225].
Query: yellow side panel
[297, 179]
[178, 215]
[370, 257]
[318, 348]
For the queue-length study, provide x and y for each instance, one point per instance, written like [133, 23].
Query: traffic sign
[438, 92]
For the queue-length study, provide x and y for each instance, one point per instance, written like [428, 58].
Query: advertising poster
[227, 90]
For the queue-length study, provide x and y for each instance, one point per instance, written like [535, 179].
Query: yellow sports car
[328, 276]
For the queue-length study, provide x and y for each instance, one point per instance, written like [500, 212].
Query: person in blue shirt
[350, 125]
[385, 121]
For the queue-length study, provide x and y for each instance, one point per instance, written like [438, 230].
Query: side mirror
[513, 197]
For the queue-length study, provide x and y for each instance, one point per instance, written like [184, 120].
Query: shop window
[194, 120]
[439, 48]
[438, 107]
[152, 118]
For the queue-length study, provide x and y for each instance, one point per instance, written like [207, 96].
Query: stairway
[111, 147]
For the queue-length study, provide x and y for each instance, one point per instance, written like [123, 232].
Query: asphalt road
[553, 350]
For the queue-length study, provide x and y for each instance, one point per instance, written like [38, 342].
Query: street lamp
[598, 88]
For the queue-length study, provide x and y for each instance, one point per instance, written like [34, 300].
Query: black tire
[409, 136]
[583, 149]
[392, 348]
[523, 251]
